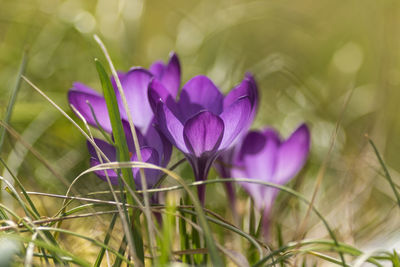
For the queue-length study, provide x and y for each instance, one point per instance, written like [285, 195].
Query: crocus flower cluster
[154, 147]
[201, 122]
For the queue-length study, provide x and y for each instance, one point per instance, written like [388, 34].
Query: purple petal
[247, 87]
[257, 159]
[254, 190]
[157, 68]
[157, 141]
[236, 120]
[135, 84]
[80, 95]
[169, 75]
[259, 154]
[102, 174]
[80, 87]
[200, 93]
[129, 136]
[149, 155]
[105, 147]
[293, 154]
[254, 95]
[110, 153]
[157, 92]
[203, 133]
[170, 126]
[241, 90]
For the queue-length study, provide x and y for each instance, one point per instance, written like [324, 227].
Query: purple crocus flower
[203, 123]
[154, 147]
[266, 157]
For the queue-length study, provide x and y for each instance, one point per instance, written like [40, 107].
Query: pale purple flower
[203, 123]
[264, 156]
[154, 147]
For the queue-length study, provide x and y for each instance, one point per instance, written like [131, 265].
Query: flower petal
[170, 126]
[293, 154]
[149, 155]
[257, 159]
[105, 147]
[129, 136]
[157, 92]
[156, 140]
[259, 153]
[236, 120]
[80, 87]
[102, 174]
[110, 153]
[134, 84]
[157, 68]
[169, 75]
[198, 94]
[203, 133]
[80, 95]
[245, 88]
[254, 95]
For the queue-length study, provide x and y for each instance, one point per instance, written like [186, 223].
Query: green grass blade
[184, 237]
[13, 98]
[54, 249]
[167, 237]
[106, 240]
[196, 244]
[395, 259]
[35, 212]
[387, 174]
[116, 123]
[92, 240]
[11, 103]
[122, 152]
[121, 250]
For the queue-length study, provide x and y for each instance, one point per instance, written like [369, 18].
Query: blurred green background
[324, 62]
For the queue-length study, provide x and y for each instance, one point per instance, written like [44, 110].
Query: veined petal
[149, 155]
[200, 93]
[293, 154]
[169, 75]
[135, 84]
[80, 95]
[203, 133]
[170, 126]
[236, 120]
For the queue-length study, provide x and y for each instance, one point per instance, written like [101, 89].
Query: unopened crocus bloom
[203, 123]
[264, 156]
[154, 147]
